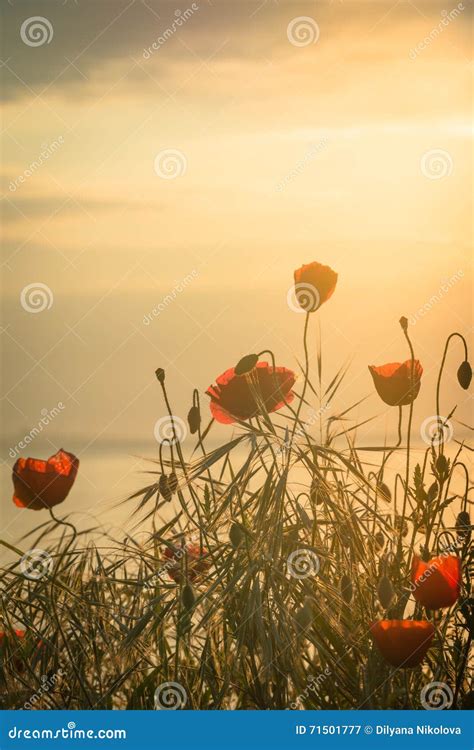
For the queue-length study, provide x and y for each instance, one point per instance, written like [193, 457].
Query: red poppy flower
[437, 582]
[403, 643]
[237, 397]
[393, 382]
[198, 562]
[42, 484]
[314, 284]
[4, 636]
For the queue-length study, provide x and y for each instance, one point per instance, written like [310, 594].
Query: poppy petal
[393, 381]
[42, 484]
[436, 582]
[403, 643]
[314, 285]
[239, 397]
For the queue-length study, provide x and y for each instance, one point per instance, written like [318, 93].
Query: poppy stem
[440, 374]
[64, 523]
[460, 676]
[306, 374]
[410, 419]
[394, 447]
[200, 443]
[175, 436]
[199, 522]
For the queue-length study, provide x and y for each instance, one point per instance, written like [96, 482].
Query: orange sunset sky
[352, 149]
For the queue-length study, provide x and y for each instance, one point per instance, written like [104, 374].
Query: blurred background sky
[342, 137]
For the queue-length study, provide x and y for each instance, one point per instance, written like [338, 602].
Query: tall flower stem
[410, 419]
[60, 522]
[438, 384]
[175, 436]
[391, 448]
[306, 373]
[198, 523]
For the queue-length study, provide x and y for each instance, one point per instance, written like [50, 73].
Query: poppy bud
[346, 588]
[188, 597]
[379, 540]
[236, 535]
[442, 466]
[172, 483]
[433, 492]
[404, 323]
[383, 492]
[464, 375]
[463, 524]
[246, 364]
[315, 492]
[305, 519]
[385, 592]
[425, 554]
[163, 486]
[304, 617]
[194, 419]
[160, 375]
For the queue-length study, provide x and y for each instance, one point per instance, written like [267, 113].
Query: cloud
[15, 207]
[90, 38]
